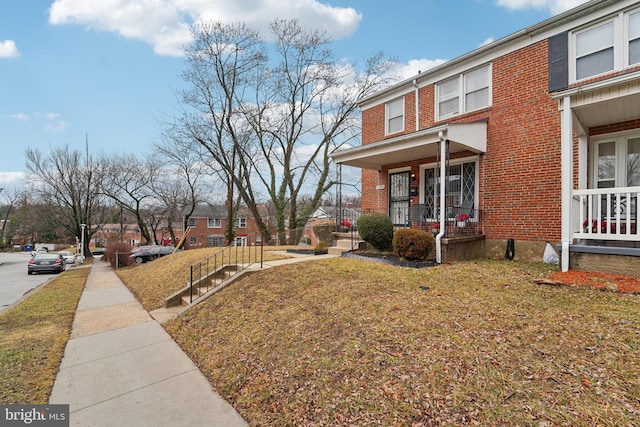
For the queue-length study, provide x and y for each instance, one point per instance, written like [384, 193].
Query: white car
[69, 257]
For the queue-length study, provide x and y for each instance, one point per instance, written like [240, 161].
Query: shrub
[377, 230]
[413, 245]
[123, 249]
[321, 248]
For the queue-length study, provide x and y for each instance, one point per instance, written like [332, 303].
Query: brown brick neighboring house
[208, 224]
[537, 136]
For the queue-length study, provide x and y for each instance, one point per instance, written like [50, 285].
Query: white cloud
[165, 23]
[554, 6]
[8, 49]
[56, 126]
[487, 41]
[415, 66]
[19, 116]
[11, 178]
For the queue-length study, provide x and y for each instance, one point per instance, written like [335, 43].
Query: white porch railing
[606, 214]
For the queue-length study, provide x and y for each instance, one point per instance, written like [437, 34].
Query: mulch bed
[387, 258]
[604, 281]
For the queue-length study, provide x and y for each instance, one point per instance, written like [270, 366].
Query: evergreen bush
[377, 230]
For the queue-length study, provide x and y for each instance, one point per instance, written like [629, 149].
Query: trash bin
[28, 248]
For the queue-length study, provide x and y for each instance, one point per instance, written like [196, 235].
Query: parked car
[42, 250]
[46, 262]
[68, 256]
[143, 254]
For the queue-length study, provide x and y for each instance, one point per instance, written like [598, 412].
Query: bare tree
[129, 181]
[10, 197]
[221, 62]
[180, 185]
[71, 184]
[270, 122]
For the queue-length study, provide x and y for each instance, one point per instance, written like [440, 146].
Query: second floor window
[242, 223]
[464, 93]
[606, 46]
[214, 223]
[191, 223]
[394, 116]
[594, 51]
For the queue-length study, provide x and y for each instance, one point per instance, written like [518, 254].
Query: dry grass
[347, 342]
[154, 281]
[34, 334]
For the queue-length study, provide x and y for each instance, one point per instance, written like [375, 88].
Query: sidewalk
[120, 367]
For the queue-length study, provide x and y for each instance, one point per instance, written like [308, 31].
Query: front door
[399, 198]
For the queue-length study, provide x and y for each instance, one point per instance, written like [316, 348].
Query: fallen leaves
[347, 342]
[605, 281]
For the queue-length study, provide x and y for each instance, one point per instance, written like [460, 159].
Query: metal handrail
[225, 259]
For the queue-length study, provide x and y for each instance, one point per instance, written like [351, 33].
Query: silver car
[69, 257]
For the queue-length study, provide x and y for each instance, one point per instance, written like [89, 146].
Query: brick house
[534, 137]
[208, 224]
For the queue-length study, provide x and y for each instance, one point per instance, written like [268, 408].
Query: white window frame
[621, 56]
[214, 223]
[460, 161]
[191, 223]
[627, 38]
[462, 92]
[388, 117]
[620, 140]
[242, 223]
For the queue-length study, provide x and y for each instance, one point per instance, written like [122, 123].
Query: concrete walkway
[120, 367]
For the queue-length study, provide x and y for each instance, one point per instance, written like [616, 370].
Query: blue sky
[110, 69]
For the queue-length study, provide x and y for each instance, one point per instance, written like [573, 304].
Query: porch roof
[416, 145]
[612, 100]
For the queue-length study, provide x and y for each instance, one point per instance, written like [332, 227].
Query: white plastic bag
[550, 255]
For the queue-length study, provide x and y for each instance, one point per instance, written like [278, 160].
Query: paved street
[14, 280]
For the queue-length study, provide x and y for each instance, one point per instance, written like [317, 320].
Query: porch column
[567, 179]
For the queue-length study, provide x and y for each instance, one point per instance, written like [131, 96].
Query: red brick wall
[520, 174]
[521, 171]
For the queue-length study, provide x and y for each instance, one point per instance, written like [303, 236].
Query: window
[191, 223]
[594, 51]
[461, 186]
[215, 240]
[634, 38]
[617, 162]
[193, 241]
[606, 162]
[464, 93]
[395, 116]
[448, 99]
[607, 46]
[242, 223]
[214, 223]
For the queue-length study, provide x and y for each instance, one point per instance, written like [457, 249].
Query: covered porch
[426, 200]
[601, 171]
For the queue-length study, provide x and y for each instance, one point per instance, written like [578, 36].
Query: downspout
[415, 84]
[442, 197]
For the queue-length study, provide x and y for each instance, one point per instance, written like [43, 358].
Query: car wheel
[139, 260]
[29, 272]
